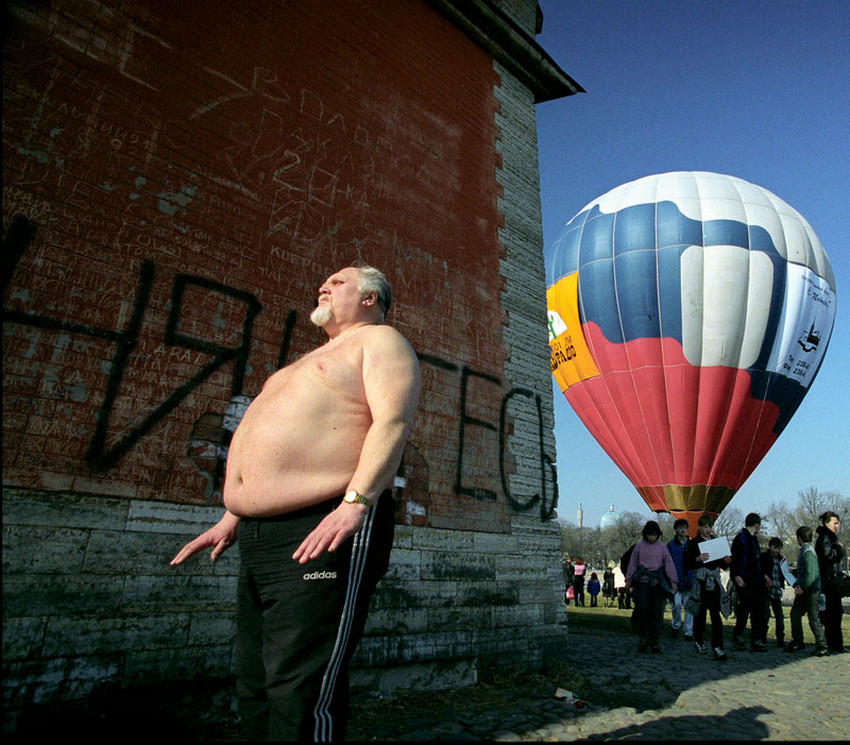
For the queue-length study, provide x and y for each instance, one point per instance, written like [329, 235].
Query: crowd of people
[703, 583]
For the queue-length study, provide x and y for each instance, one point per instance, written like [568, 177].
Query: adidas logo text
[319, 575]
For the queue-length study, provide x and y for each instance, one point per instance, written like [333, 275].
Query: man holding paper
[708, 590]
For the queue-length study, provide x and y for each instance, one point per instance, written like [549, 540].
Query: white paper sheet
[716, 549]
[786, 572]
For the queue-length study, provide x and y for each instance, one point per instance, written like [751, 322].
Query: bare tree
[616, 538]
[781, 523]
[729, 523]
[811, 503]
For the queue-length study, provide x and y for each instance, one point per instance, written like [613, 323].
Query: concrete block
[99, 636]
[396, 621]
[495, 543]
[486, 594]
[179, 663]
[446, 566]
[519, 616]
[438, 539]
[404, 565]
[63, 510]
[22, 637]
[459, 618]
[519, 568]
[165, 518]
[437, 675]
[124, 552]
[61, 594]
[59, 679]
[178, 593]
[43, 550]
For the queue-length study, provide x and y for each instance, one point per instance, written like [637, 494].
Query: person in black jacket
[831, 553]
[750, 584]
[608, 591]
[707, 590]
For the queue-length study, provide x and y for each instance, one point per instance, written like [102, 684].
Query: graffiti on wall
[212, 431]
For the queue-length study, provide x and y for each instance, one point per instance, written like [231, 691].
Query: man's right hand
[220, 536]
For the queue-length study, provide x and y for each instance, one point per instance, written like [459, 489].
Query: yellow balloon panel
[570, 356]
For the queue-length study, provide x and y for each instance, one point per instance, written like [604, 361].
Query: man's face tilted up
[340, 299]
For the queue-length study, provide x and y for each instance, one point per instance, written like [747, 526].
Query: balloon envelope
[689, 313]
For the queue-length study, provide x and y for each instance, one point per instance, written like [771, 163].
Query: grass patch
[613, 619]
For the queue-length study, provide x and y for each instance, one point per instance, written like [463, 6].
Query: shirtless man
[333, 423]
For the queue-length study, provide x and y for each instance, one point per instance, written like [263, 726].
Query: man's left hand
[338, 526]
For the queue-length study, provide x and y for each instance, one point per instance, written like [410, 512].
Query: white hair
[370, 279]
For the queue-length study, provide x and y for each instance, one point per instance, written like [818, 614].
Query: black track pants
[297, 625]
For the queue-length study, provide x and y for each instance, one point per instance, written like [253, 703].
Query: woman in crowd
[578, 580]
[652, 574]
[830, 553]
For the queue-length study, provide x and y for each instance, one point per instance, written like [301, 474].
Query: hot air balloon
[688, 315]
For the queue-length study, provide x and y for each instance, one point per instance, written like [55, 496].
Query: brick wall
[177, 180]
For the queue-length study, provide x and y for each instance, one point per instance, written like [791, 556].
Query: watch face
[353, 497]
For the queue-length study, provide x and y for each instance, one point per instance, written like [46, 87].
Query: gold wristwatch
[353, 497]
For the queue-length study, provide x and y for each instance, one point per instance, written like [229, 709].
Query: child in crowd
[771, 565]
[593, 588]
[806, 592]
[677, 547]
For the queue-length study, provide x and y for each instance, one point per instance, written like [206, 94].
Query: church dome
[610, 518]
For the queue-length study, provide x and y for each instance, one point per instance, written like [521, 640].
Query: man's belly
[265, 493]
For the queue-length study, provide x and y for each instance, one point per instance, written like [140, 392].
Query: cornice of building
[486, 24]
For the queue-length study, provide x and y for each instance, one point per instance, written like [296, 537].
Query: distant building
[610, 518]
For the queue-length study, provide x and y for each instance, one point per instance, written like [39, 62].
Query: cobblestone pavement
[676, 695]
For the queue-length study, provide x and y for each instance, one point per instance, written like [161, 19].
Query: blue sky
[749, 88]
